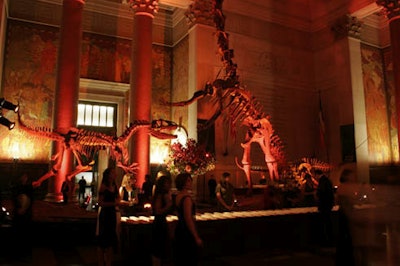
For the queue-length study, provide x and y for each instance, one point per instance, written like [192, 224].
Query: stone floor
[55, 255]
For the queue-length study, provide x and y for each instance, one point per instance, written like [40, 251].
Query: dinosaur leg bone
[57, 159]
[79, 169]
[247, 164]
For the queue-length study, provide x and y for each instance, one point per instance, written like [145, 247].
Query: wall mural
[161, 81]
[391, 98]
[105, 58]
[376, 106]
[29, 77]
[180, 79]
[161, 85]
[30, 73]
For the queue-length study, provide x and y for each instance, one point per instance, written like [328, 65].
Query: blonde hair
[126, 181]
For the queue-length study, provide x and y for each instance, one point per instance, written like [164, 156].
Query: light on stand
[7, 123]
[8, 105]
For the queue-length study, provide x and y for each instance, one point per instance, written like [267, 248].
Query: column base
[54, 197]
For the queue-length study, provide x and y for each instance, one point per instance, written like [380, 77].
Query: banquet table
[225, 233]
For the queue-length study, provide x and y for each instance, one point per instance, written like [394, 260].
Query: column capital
[201, 12]
[144, 7]
[347, 26]
[391, 8]
[76, 3]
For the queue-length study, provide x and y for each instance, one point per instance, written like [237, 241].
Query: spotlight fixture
[8, 105]
[7, 123]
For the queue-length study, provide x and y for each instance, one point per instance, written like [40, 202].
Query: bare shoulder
[184, 197]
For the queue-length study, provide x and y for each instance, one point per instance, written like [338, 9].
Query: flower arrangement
[190, 157]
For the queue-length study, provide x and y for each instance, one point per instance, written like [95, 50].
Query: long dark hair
[162, 179]
[106, 176]
[181, 179]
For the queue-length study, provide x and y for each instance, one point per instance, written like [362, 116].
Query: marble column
[67, 86]
[141, 81]
[352, 29]
[202, 65]
[392, 10]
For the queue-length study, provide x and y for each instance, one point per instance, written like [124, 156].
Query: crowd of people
[180, 245]
[177, 245]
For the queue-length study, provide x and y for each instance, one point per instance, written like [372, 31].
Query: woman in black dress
[127, 193]
[186, 236]
[162, 203]
[107, 219]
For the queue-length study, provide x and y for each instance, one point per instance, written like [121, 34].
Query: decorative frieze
[201, 12]
[391, 8]
[353, 27]
[347, 26]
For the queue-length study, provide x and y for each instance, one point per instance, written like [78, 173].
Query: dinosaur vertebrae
[235, 101]
[84, 143]
[243, 107]
[224, 51]
[82, 136]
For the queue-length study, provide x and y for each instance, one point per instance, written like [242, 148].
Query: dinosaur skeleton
[84, 144]
[231, 97]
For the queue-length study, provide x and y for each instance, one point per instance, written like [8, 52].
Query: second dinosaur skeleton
[233, 99]
[84, 144]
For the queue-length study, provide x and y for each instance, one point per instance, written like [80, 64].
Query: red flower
[191, 158]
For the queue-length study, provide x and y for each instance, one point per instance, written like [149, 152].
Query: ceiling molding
[184, 4]
[264, 10]
[375, 26]
[307, 16]
[105, 86]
